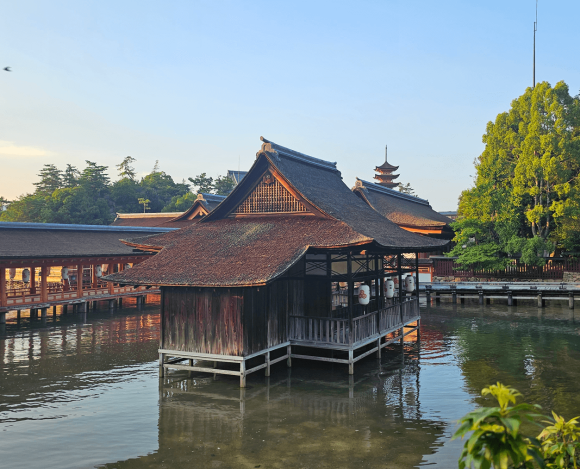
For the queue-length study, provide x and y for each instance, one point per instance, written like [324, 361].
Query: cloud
[11, 150]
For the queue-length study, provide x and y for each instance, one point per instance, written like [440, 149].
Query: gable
[271, 196]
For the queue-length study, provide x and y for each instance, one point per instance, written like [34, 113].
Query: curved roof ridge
[302, 157]
[376, 187]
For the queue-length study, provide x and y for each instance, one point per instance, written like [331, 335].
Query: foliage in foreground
[496, 440]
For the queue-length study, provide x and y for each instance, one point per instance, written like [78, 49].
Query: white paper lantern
[364, 294]
[390, 289]
[410, 284]
[64, 273]
[48, 271]
[98, 271]
[26, 275]
[12, 273]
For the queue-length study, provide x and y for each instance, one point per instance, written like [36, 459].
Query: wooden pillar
[268, 364]
[94, 278]
[351, 362]
[44, 284]
[379, 348]
[243, 374]
[540, 301]
[3, 295]
[289, 353]
[350, 285]
[32, 280]
[571, 300]
[161, 367]
[480, 292]
[417, 275]
[510, 298]
[79, 281]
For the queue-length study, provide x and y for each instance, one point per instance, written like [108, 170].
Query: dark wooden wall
[229, 321]
[205, 321]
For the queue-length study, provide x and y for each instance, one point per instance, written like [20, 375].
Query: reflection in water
[83, 391]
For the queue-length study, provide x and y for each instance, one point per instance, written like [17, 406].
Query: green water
[83, 391]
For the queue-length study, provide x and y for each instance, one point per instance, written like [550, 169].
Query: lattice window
[270, 198]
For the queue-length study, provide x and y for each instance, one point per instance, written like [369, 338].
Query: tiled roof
[144, 219]
[39, 240]
[222, 251]
[402, 209]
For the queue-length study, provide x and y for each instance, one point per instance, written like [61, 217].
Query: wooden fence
[553, 270]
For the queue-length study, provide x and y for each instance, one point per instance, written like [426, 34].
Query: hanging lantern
[364, 294]
[26, 275]
[64, 273]
[410, 283]
[390, 289]
[98, 271]
[12, 273]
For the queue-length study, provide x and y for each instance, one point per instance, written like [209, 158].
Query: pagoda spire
[385, 174]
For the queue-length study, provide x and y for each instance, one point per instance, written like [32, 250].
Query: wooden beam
[33, 280]
[79, 280]
[44, 284]
[3, 298]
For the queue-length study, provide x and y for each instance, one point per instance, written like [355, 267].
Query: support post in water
[510, 298]
[350, 362]
[540, 301]
[161, 360]
[571, 300]
[289, 360]
[480, 297]
[243, 374]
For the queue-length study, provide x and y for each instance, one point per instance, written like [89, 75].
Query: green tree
[125, 194]
[406, 189]
[145, 203]
[70, 176]
[160, 188]
[94, 179]
[125, 168]
[180, 203]
[26, 208]
[527, 181]
[202, 184]
[50, 180]
[223, 185]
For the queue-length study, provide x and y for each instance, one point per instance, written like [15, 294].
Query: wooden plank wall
[234, 321]
[203, 321]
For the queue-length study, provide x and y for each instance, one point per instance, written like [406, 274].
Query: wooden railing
[313, 329]
[337, 330]
[553, 270]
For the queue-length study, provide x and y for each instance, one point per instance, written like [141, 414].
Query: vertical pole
[243, 374]
[161, 367]
[350, 285]
[289, 353]
[3, 295]
[379, 349]
[268, 364]
[79, 281]
[44, 284]
[94, 278]
[540, 301]
[350, 362]
[417, 275]
[510, 298]
[571, 300]
[33, 280]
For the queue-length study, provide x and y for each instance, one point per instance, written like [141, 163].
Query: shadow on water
[83, 391]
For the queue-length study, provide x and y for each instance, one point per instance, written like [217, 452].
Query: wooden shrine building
[45, 264]
[407, 211]
[292, 264]
[203, 204]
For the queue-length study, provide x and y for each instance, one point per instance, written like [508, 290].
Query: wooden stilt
[43, 313]
[243, 374]
[480, 297]
[540, 301]
[268, 364]
[402, 333]
[289, 360]
[510, 298]
[418, 330]
[454, 298]
[350, 362]
[2, 318]
[379, 348]
[161, 368]
[54, 310]
[571, 300]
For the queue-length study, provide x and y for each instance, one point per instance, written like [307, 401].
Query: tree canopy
[89, 197]
[526, 195]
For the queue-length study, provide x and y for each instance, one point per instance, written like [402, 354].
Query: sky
[194, 84]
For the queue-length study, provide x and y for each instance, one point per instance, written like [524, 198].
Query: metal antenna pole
[535, 29]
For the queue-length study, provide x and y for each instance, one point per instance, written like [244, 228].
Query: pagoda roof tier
[386, 177]
[386, 167]
[288, 203]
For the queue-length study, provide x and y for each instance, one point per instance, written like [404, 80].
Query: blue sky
[194, 84]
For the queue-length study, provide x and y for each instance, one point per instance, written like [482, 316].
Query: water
[83, 391]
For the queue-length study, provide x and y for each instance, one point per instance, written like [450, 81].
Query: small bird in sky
[7, 69]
